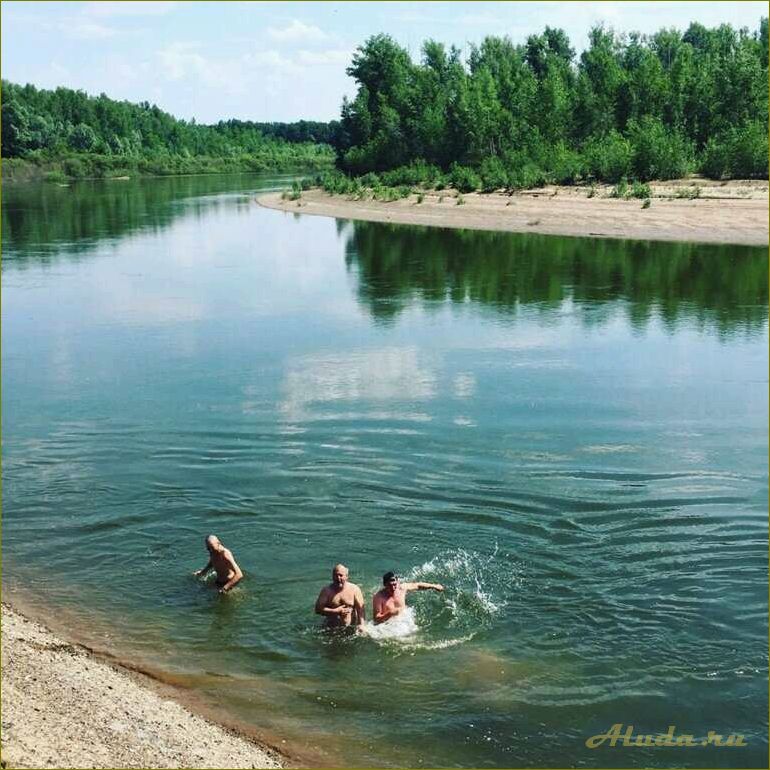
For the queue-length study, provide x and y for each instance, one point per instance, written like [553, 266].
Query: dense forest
[630, 106]
[79, 135]
[636, 106]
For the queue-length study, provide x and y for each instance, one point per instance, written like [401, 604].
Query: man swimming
[341, 602]
[221, 560]
[391, 600]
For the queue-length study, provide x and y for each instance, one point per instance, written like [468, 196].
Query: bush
[369, 180]
[740, 152]
[659, 153]
[74, 167]
[564, 166]
[493, 174]
[464, 178]
[53, 176]
[688, 193]
[609, 157]
[620, 190]
[640, 190]
[416, 173]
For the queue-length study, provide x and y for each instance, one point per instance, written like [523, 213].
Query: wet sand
[63, 707]
[725, 212]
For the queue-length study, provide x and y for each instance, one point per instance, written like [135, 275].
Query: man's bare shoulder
[353, 586]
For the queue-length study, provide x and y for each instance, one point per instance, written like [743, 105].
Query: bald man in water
[221, 560]
[341, 602]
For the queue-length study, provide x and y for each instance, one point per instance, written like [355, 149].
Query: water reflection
[44, 222]
[380, 375]
[714, 286]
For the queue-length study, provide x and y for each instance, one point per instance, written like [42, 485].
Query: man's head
[339, 575]
[213, 544]
[390, 581]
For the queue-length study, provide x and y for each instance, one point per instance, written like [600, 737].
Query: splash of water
[475, 593]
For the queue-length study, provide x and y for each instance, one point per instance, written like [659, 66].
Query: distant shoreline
[64, 705]
[734, 212]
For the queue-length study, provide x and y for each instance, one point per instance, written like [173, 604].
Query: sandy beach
[724, 212]
[63, 707]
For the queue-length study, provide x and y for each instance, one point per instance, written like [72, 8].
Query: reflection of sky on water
[386, 374]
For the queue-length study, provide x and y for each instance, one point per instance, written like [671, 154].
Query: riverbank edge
[14, 171]
[717, 217]
[65, 704]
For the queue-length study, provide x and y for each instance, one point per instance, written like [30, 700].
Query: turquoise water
[570, 434]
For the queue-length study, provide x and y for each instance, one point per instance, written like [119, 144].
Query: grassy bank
[95, 166]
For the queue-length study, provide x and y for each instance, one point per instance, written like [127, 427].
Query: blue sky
[280, 60]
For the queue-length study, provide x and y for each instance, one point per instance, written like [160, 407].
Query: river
[569, 434]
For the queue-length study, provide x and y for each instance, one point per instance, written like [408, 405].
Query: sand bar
[733, 212]
[62, 707]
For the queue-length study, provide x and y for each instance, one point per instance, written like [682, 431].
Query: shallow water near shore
[569, 434]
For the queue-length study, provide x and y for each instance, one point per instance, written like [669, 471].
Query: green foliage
[739, 152]
[640, 190]
[464, 178]
[563, 165]
[609, 157]
[523, 173]
[688, 193]
[649, 107]
[99, 137]
[659, 153]
[620, 190]
[493, 174]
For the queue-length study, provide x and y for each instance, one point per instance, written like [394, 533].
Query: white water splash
[403, 626]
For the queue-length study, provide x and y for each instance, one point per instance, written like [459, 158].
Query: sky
[277, 60]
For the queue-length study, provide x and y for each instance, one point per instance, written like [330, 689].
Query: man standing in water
[222, 561]
[341, 602]
[391, 600]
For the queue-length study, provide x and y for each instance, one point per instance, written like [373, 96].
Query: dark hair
[387, 577]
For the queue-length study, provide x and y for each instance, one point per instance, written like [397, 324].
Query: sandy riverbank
[725, 212]
[63, 707]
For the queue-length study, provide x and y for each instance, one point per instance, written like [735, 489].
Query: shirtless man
[222, 561]
[391, 600]
[341, 602]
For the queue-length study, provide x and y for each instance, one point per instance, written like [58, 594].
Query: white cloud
[270, 58]
[297, 32]
[135, 8]
[336, 56]
[87, 30]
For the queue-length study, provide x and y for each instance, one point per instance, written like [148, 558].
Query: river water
[569, 434]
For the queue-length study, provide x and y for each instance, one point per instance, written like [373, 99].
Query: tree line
[93, 136]
[639, 106]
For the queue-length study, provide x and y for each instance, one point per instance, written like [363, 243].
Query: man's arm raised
[422, 586]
